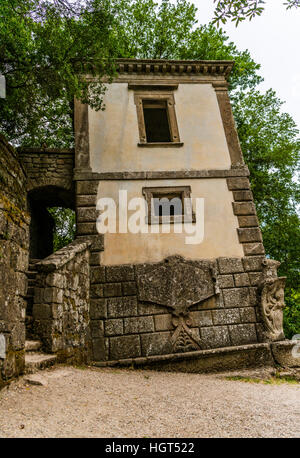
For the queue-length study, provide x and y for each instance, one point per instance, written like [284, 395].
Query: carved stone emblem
[272, 300]
[177, 284]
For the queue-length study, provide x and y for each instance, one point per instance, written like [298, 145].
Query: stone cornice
[209, 68]
[156, 175]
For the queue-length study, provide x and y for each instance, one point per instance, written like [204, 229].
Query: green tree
[240, 10]
[65, 226]
[44, 46]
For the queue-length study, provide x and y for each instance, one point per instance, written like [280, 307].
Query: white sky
[273, 40]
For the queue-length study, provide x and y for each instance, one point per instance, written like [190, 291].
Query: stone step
[31, 275]
[32, 345]
[35, 361]
[30, 291]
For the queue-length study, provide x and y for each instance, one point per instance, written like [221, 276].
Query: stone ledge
[62, 256]
[219, 359]
[160, 174]
[40, 150]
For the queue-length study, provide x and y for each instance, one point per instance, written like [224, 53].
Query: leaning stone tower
[159, 294]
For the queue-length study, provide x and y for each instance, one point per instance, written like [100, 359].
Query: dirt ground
[108, 402]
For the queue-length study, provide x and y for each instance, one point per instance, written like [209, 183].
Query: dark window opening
[168, 205]
[156, 121]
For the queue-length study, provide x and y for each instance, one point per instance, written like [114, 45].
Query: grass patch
[276, 380]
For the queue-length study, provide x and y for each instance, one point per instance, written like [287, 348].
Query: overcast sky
[274, 42]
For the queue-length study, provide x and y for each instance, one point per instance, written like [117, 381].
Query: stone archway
[42, 223]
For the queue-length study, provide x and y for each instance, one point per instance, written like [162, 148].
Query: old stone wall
[124, 326]
[14, 246]
[48, 167]
[61, 303]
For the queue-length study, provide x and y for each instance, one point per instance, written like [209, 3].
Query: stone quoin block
[243, 208]
[95, 259]
[86, 228]
[230, 265]
[87, 187]
[97, 241]
[96, 290]
[253, 263]
[254, 278]
[252, 249]
[100, 349]
[238, 183]
[97, 328]
[98, 309]
[248, 221]
[242, 196]
[97, 274]
[86, 201]
[251, 234]
[87, 214]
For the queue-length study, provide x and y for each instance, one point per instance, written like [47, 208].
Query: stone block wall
[14, 247]
[48, 167]
[124, 327]
[61, 303]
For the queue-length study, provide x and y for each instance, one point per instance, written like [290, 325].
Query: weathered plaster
[219, 239]
[114, 135]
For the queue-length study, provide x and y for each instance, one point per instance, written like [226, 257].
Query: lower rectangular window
[169, 205]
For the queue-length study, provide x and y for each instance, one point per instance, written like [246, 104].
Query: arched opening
[52, 226]
[52, 220]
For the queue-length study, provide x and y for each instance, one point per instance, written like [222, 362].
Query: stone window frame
[165, 96]
[188, 215]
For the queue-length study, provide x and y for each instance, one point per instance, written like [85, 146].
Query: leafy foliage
[65, 226]
[43, 46]
[240, 10]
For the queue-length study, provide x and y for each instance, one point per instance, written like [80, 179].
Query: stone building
[200, 298]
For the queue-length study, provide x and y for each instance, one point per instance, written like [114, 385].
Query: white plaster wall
[220, 235]
[113, 133]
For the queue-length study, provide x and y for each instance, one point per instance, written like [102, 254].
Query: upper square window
[157, 119]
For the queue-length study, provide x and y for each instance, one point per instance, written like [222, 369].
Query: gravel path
[125, 403]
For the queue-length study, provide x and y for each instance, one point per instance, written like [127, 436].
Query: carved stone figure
[272, 300]
[178, 284]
